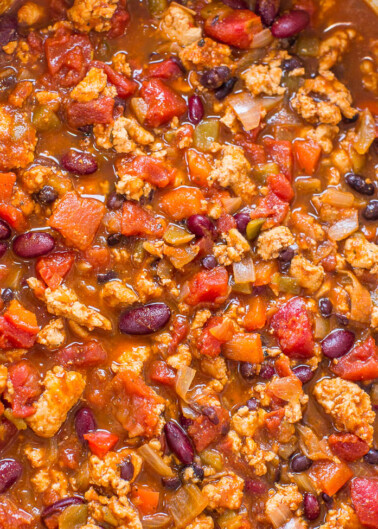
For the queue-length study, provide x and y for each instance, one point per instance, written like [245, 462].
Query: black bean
[5, 230]
[10, 472]
[59, 506]
[266, 371]
[236, 4]
[300, 463]
[311, 506]
[8, 29]
[3, 249]
[304, 373]
[209, 262]
[371, 210]
[267, 10]
[371, 457]
[215, 77]
[358, 183]
[81, 163]
[195, 109]
[200, 225]
[198, 471]
[292, 63]
[179, 442]
[33, 244]
[144, 320]
[211, 414]
[226, 88]
[252, 404]
[7, 295]
[114, 239]
[290, 24]
[84, 422]
[45, 196]
[171, 483]
[127, 470]
[108, 276]
[337, 343]
[247, 370]
[325, 307]
[327, 500]
[242, 220]
[115, 201]
[353, 119]
[286, 254]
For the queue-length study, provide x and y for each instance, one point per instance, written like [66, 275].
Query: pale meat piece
[201, 522]
[286, 496]
[360, 253]
[178, 25]
[18, 139]
[91, 86]
[309, 275]
[343, 517]
[333, 47]
[227, 493]
[205, 53]
[270, 242]
[92, 14]
[53, 334]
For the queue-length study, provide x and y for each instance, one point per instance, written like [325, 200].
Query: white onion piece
[244, 270]
[343, 228]
[262, 39]
[336, 198]
[373, 4]
[155, 521]
[247, 108]
[155, 461]
[269, 103]
[279, 515]
[294, 523]
[185, 376]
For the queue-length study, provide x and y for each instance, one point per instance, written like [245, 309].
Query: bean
[292, 63]
[248, 371]
[327, 500]
[252, 404]
[8, 29]
[179, 442]
[3, 249]
[300, 463]
[185, 422]
[337, 343]
[342, 319]
[81, 163]
[115, 201]
[144, 320]
[267, 10]
[195, 109]
[84, 423]
[325, 307]
[127, 470]
[59, 506]
[255, 486]
[242, 220]
[5, 230]
[286, 254]
[215, 77]
[304, 373]
[211, 414]
[371, 457]
[358, 183]
[8, 432]
[236, 4]
[266, 371]
[226, 88]
[7, 295]
[209, 262]
[198, 471]
[200, 225]
[45, 196]
[10, 472]
[371, 210]
[178, 63]
[311, 506]
[290, 24]
[105, 278]
[171, 483]
[114, 239]
[33, 244]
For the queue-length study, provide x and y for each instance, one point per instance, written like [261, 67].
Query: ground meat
[205, 53]
[20, 94]
[53, 334]
[369, 69]
[115, 293]
[3, 378]
[30, 14]
[257, 457]
[39, 176]
[245, 422]
[265, 77]
[18, 139]
[234, 250]
[100, 507]
[349, 406]
[133, 358]
[343, 517]
[62, 390]
[124, 135]
[36, 456]
[91, 86]
[360, 253]
[270, 242]
[232, 170]
[178, 25]
[227, 493]
[105, 473]
[285, 496]
[309, 275]
[92, 14]
[201, 522]
[50, 479]
[324, 136]
[333, 47]
[323, 99]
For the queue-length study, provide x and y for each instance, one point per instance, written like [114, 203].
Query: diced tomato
[234, 27]
[182, 202]
[11, 336]
[54, 268]
[225, 223]
[67, 57]
[23, 319]
[348, 446]
[118, 22]
[280, 152]
[180, 330]
[100, 442]
[244, 347]
[149, 169]
[365, 501]
[273, 420]
[292, 326]
[7, 181]
[255, 317]
[13, 216]
[273, 207]
[216, 332]
[125, 87]
[164, 70]
[161, 373]
[307, 154]
[136, 404]
[280, 186]
[77, 219]
[330, 476]
[136, 221]
[264, 271]
[361, 363]
[254, 151]
[89, 354]
[207, 286]
[26, 388]
[80, 114]
[199, 168]
[205, 431]
[98, 257]
[145, 499]
[163, 103]
[12, 517]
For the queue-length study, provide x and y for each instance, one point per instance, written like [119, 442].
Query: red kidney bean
[255, 486]
[179, 442]
[33, 244]
[8, 29]
[5, 230]
[200, 225]
[10, 472]
[300, 463]
[248, 371]
[371, 210]
[325, 307]
[311, 506]
[114, 239]
[209, 262]
[236, 4]
[290, 24]
[337, 343]
[45, 196]
[185, 422]
[3, 249]
[115, 201]
[144, 320]
[226, 88]
[242, 220]
[59, 506]
[81, 163]
[252, 404]
[267, 10]
[127, 470]
[84, 422]
[304, 373]
[266, 371]
[215, 77]
[171, 483]
[371, 457]
[195, 109]
[358, 183]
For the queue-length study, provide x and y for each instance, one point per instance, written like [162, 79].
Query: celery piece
[253, 228]
[307, 46]
[45, 119]
[177, 235]
[212, 458]
[286, 284]
[157, 7]
[73, 517]
[206, 133]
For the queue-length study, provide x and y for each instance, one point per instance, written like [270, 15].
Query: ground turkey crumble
[92, 14]
[360, 253]
[270, 242]
[309, 275]
[178, 25]
[227, 493]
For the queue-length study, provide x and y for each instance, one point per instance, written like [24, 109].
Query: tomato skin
[13, 216]
[89, 354]
[348, 446]
[365, 501]
[161, 373]
[280, 152]
[53, 268]
[272, 207]
[330, 476]
[236, 27]
[137, 221]
[208, 286]
[7, 181]
[118, 22]
[361, 363]
[100, 442]
[307, 155]
[164, 70]
[208, 344]
[163, 103]
[80, 114]
[292, 326]
[125, 87]
[149, 169]
[25, 382]
[203, 431]
[280, 186]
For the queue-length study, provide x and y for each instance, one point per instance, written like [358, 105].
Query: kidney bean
[3, 249]
[304, 373]
[242, 220]
[10, 472]
[59, 506]
[195, 109]
[255, 486]
[209, 262]
[115, 201]
[286, 254]
[266, 371]
[325, 307]
[290, 24]
[171, 483]
[371, 210]
[358, 183]
[81, 163]
[247, 371]
[215, 77]
[179, 442]
[236, 4]
[267, 10]
[127, 470]
[5, 230]
[144, 320]
[45, 196]
[8, 29]
[200, 225]
[252, 404]
[327, 500]
[113, 239]
[84, 423]
[300, 463]
[292, 63]
[337, 343]
[226, 88]
[371, 457]
[105, 278]
[33, 244]
[185, 422]
[311, 506]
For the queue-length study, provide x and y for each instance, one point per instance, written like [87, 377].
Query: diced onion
[304, 482]
[187, 504]
[279, 515]
[365, 132]
[155, 461]
[244, 270]
[155, 521]
[311, 445]
[247, 108]
[336, 198]
[294, 523]
[286, 388]
[343, 228]
[270, 102]
[231, 204]
[185, 376]
[321, 327]
[262, 39]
